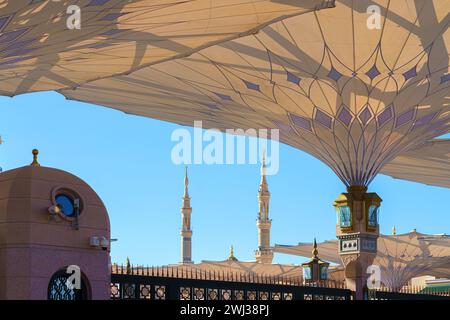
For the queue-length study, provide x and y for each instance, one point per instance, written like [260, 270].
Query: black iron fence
[408, 293]
[173, 283]
[188, 283]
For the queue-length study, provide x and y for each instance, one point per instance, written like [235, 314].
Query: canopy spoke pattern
[354, 97]
[39, 52]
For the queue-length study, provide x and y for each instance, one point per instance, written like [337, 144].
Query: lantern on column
[357, 220]
[357, 230]
[315, 270]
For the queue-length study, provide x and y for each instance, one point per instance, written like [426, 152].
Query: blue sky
[127, 160]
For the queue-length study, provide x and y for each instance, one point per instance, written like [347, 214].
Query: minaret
[186, 232]
[264, 253]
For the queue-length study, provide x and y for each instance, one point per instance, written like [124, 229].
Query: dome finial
[394, 231]
[35, 162]
[232, 257]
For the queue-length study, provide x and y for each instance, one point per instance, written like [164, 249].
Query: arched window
[60, 286]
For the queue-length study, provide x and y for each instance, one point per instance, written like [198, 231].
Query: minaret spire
[263, 186]
[186, 182]
[186, 232]
[264, 253]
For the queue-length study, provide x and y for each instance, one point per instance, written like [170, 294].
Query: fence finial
[128, 266]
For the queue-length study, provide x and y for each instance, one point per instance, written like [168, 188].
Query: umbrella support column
[357, 231]
[356, 276]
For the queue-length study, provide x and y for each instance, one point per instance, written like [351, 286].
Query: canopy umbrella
[400, 257]
[40, 51]
[428, 163]
[357, 98]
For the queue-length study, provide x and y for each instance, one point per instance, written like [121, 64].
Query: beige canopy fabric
[235, 268]
[39, 52]
[400, 258]
[250, 267]
[354, 89]
[328, 250]
[428, 163]
[260, 269]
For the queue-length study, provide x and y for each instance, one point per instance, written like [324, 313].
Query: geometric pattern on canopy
[353, 97]
[400, 257]
[38, 52]
[428, 163]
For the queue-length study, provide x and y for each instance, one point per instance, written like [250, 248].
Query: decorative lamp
[315, 270]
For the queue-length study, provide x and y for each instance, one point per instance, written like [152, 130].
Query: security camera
[99, 242]
[104, 243]
[54, 210]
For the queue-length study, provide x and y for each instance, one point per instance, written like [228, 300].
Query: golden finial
[232, 257]
[35, 162]
[394, 231]
[315, 252]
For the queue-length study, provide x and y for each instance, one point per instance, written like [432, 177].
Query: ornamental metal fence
[178, 283]
[408, 293]
[188, 283]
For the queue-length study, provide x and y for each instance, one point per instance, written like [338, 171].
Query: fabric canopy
[361, 92]
[400, 257]
[262, 269]
[355, 97]
[39, 52]
[428, 163]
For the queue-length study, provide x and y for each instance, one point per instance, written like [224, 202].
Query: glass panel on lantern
[306, 272]
[373, 216]
[345, 217]
[324, 272]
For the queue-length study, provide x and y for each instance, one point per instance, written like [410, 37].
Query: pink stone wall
[33, 247]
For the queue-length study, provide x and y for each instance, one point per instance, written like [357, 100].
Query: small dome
[27, 193]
